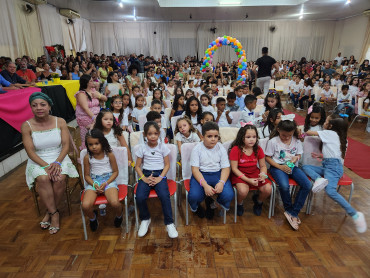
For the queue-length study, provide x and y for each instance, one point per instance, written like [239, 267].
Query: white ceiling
[149, 10]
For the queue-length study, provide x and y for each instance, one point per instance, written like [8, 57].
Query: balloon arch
[238, 48]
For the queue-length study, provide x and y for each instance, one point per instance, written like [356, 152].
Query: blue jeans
[294, 98]
[282, 179]
[197, 194]
[349, 108]
[161, 188]
[332, 170]
[304, 98]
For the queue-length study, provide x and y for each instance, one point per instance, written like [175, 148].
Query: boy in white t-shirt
[296, 91]
[210, 173]
[344, 100]
[223, 118]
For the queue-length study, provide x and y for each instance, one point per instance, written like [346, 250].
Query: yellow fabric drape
[71, 87]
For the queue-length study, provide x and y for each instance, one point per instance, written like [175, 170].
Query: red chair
[122, 195]
[292, 183]
[171, 176]
[122, 161]
[344, 181]
[172, 188]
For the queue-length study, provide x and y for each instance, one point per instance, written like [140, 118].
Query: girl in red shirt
[244, 156]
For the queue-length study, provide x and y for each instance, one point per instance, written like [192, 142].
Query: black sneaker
[210, 213]
[200, 212]
[257, 208]
[239, 210]
[94, 224]
[118, 221]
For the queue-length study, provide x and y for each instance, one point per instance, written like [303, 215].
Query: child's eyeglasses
[117, 102]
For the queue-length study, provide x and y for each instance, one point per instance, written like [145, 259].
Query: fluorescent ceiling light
[229, 3]
[348, 2]
[120, 5]
[225, 3]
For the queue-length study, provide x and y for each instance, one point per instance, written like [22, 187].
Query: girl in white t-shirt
[138, 110]
[307, 94]
[193, 109]
[334, 139]
[315, 118]
[185, 132]
[153, 156]
[106, 123]
[206, 103]
[283, 152]
[100, 172]
[210, 173]
[272, 120]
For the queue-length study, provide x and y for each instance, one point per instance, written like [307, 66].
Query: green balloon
[240, 66]
[239, 56]
[207, 64]
[239, 49]
[225, 37]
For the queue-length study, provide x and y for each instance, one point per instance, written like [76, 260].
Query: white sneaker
[171, 230]
[144, 225]
[319, 185]
[299, 109]
[360, 223]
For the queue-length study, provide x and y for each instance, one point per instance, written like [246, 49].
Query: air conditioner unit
[366, 12]
[69, 13]
[37, 2]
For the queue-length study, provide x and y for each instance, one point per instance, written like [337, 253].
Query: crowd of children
[215, 170]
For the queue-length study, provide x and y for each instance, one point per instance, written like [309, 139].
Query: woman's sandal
[44, 224]
[53, 230]
[292, 221]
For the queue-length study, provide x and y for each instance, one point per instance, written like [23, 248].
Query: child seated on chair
[248, 114]
[244, 156]
[334, 139]
[154, 116]
[206, 117]
[210, 172]
[185, 132]
[367, 111]
[154, 157]
[344, 101]
[100, 173]
[223, 118]
[327, 95]
[231, 105]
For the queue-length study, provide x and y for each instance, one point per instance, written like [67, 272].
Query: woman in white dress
[46, 141]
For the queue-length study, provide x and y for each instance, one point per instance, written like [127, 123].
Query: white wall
[349, 36]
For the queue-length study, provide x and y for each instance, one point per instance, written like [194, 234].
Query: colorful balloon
[238, 48]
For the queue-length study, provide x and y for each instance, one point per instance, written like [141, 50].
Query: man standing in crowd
[140, 62]
[264, 65]
[339, 59]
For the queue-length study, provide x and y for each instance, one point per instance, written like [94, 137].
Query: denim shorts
[101, 179]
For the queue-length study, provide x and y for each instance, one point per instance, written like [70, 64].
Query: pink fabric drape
[14, 106]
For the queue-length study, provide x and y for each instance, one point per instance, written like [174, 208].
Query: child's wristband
[222, 181]
[241, 176]
[163, 177]
[200, 182]
[45, 167]
[57, 162]
[141, 177]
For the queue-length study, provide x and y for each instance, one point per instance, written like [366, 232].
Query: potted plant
[56, 78]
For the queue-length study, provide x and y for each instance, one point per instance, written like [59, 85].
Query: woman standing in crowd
[87, 105]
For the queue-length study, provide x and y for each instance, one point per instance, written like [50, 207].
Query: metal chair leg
[136, 217]
[351, 192]
[83, 222]
[68, 197]
[353, 121]
[187, 208]
[126, 215]
[224, 216]
[34, 195]
[236, 203]
[175, 199]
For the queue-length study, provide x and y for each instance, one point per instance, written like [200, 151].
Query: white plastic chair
[173, 126]
[228, 133]
[236, 116]
[360, 111]
[142, 120]
[171, 180]
[120, 154]
[134, 139]
[149, 101]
